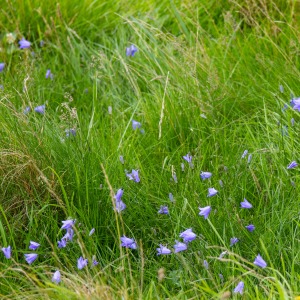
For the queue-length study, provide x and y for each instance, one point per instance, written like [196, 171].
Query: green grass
[224, 60]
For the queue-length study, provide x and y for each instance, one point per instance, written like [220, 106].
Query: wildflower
[81, 263]
[26, 110]
[205, 175]
[134, 175]
[205, 211]
[130, 51]
[205, 264]
[233, 241]
[223, 254]
[136, 124]
[69, 132]
[40, 109]
[249, 158]
[292, 165]
[7, 252]
[188, 158]
[221, 183]
[246, 204]
[239, 288]
[69, 235]
[92, 231]
[188, 235]
[162, 250]
[180, 247]
[171, 197]
[250, 227]
[295, 103]
[175, 178]
[33, 245]
[221, 277]
[2, 65]
[163, 210]
[119, 194]
[24, 44]
[30, 258]
[259, 261]
[62, 243]
[68, 224]
[212, 192]
[56, 277]
[120, 205]
[95, 262]
[244, 153]
[49, 74]
[128, 243]
[121, 159]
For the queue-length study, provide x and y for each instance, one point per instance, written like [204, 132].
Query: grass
[205, 81]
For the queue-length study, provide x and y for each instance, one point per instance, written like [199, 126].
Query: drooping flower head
[174, 177]
[162, 250]
[205, 175]
[205, 264]
[121, 159]
[136, 125]
[233, 241]
[33, 245]
[205, 211]
[49, 74]
[130, 51]
[26, 110]
[128, 243]
[188, 235]
[62, 243]
[120, 206]
[30, 258]
[244, 154]
[134, 175]
[188, 158]
[292, 165]
[260, 262]
[7, 252]
[212, 192]
[249, 158]
[92, 231]
[250, 227]
[171, 197]
[81, 263]
[164, 210]
[2, 65]
[69, 235]
[70, 132]
[239, 288]
[119, 194]
[295, 103]
[68, 224]
[180, 247]
[40, 109]
[56, 277]
[246, 204]
[24, 44]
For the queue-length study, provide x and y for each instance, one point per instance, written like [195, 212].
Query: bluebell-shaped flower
[205, 175]
[7, 252]
[128, 242]
[136, 125]
[180, 247]
[92, 231]
[260, 262]
[49, 74]
[188, 158]
[233, 241]
[69, 235]
[24, 44]
[292, 165]
[164, 210]
[244, 153]
[120, 206]
[30, 258]
[212, 192]
[171, 197]
[188, 235]
[40, 109]
[130, 51]
[2, 65]
[33, 245]
[134, 175]
[81, 263]
[162, 250]
[56, 277]
[239, 288]
[250, 227]
[68, 224]
[62, 243]
[205, 264]
[205, 211]
[119, 194]
[246, 204]
[26, 110]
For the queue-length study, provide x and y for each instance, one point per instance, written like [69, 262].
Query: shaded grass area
[207, 77]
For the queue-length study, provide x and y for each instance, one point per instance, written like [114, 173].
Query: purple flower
[212, 192]
[163, 210]
[295, 102]
[49, 74]
[246, 204]
[130, 51]
[62, 243]
[121, 159]
[119, 195]
[239, 288]
[205, 264]
[95, 262]
[26, 110]
[205, 175]
[188, 158]
[24, 44]
[244, 153]
[205, 211]
[71, 131]
[162, 250]
[68, 224]
[136, 125]
[292, 121]
[2, 65]
[188, 235]
[292, 165]
[134, 175]
[233, 241]
[92, 231]
[81, 263]
[56, 277]
[120, 206]
[33, 245]
[221, 277]
[250, 227]
[69, 235]
[175, 178]
[30, 258]
[7, 252]
[171, 197]
[249, 158]
[223, 254]
[128, 243]
[40, 109]
[221, 183]
[260, 262]
[179, 246]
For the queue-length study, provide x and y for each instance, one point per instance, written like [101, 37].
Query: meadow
[149, 149]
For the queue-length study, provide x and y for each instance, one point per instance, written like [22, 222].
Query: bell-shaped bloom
[205, 175]
[164, 210]
[244, 153]
[212, 192]
[205, 264]
[188, 158]
[295, 103]
[292, 165]
[188, 235]
[68, 224]
[92, 231]
[30, 258]
[119, 194]
[249, 158]
[259, 261]
[134, 175]
[49, 74]
[120, 206]
[205, 211]
[62, 243]
[40, 109]
[33, 245]
[121, 159]
[24, 44]
[233, 241]
[221, 183]
[175, 177]
[171, 197]
[239, 288]
[246, 204]
[26, 110]
[162, 250]
[7, 252]
[95, 262]
[70, 132]
[223, 254]
[2, 65]
[128, 243]
[180, 247]
[81, 263]
[250, 227]
[136, 125]
[56, 277]
[69, 235]
[130, 51]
